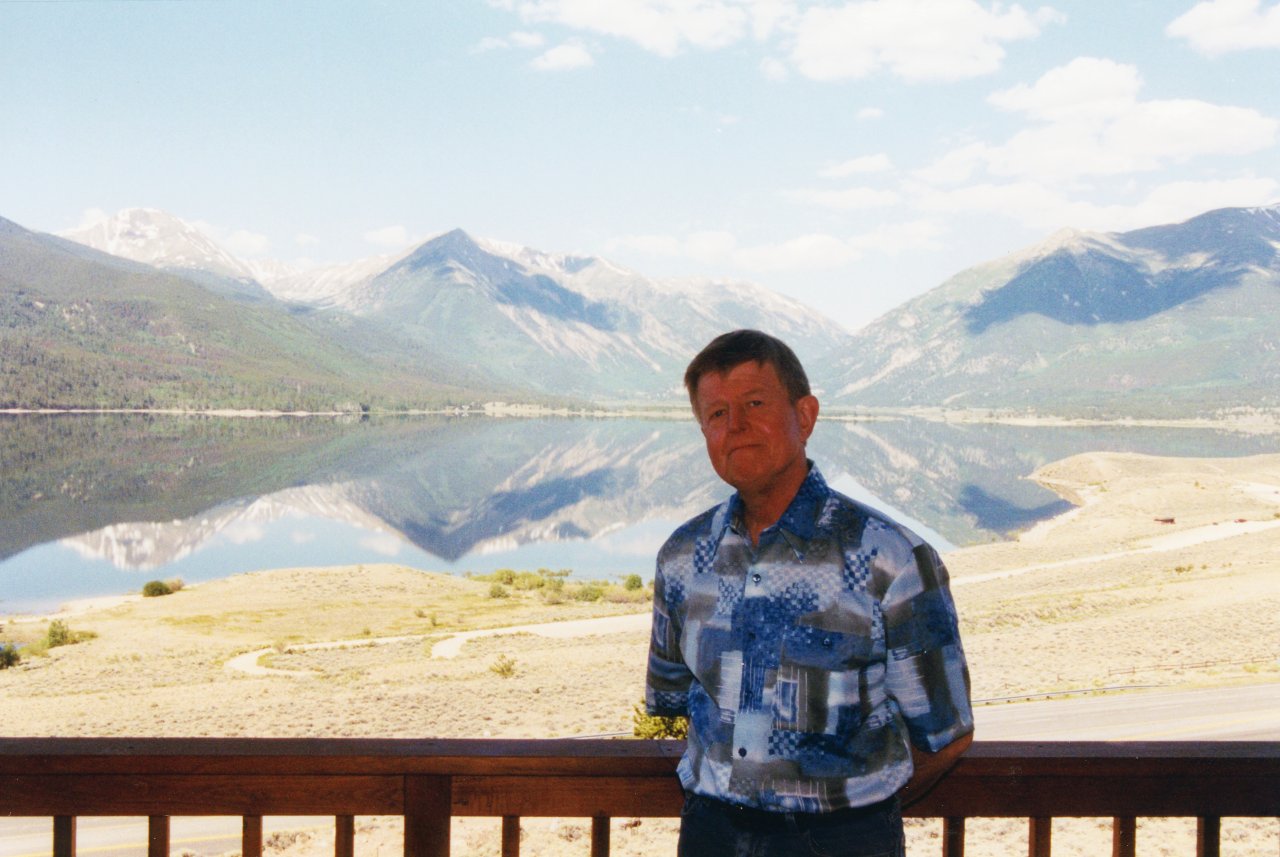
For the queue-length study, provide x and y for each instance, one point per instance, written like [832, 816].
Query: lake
[96, 505]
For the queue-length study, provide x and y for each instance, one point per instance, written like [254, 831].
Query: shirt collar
[799, 523]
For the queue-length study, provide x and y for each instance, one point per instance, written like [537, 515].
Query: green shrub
[156, 588]
[653, 726]
[632, 582]
[58, 635]
[497, 590]
[504, 666]
[9, 656]
[587, 592]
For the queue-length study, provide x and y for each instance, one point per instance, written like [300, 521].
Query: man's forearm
[929, 768]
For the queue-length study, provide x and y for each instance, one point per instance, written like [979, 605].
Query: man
[811, 641]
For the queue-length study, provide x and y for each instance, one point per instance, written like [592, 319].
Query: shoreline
[1260, 422]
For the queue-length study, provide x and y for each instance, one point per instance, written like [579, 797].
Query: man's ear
[807, 411]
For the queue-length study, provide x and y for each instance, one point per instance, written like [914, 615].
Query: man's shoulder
[700, 526]
[872, 525]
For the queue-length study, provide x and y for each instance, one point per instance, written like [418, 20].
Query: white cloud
[302, 239]
[246, 244]
[515, 39]
[774, 69]
[869, 113]
[1085, 89]
[388, 236]
[91, 217]
[878, 163]
[1217, 27]
[914, 39]
[1088, 121]
[566, 57]
[846, 199]
[663, 27]
[1043, 208]
[812, 251]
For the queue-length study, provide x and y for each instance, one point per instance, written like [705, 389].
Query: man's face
[755, 435]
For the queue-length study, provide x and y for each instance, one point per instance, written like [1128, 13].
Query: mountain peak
[155, 237]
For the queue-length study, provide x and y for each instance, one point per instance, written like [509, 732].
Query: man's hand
[929, 768]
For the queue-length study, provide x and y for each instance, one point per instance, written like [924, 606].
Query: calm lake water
[99, 504]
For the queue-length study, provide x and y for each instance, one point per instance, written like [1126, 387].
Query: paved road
[1250, 713]
[1219, 714]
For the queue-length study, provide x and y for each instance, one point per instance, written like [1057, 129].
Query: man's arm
[929, 768]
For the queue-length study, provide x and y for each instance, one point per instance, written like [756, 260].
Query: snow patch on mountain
[162, 240]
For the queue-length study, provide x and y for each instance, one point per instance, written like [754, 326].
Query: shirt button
[755, 578]
[742, 751]
[826, 642]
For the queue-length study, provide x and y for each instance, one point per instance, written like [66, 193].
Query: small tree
[632, 582]
[9, 656]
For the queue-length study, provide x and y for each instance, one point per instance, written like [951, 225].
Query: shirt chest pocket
[844, 636]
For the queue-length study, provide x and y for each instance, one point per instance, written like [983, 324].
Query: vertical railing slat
[158, 836]
[953, 837]
[1208, 836]
[1040, 837]
[600, 836]
[344, 836]
[428, 813]
[64, 836]
[511, 836]
[1124, 836]
[251, 836]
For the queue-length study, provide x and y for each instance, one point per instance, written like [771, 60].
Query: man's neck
[761, 511]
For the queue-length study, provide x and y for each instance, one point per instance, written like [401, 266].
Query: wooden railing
[428, 782]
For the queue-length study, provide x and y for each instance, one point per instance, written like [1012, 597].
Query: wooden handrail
[428, 781]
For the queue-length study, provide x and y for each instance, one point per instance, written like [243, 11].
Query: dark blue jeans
[711, 828]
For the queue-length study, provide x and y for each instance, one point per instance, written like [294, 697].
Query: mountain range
[145, 309]
[1170, 320]
[542, 324]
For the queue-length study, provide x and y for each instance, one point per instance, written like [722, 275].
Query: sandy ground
[1164, 573]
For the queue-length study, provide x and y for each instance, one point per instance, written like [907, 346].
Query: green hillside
[81, 329]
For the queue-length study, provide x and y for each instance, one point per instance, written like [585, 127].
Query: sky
[852, 155]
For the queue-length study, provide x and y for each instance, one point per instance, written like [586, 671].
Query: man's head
[729, 350]
[753, 404]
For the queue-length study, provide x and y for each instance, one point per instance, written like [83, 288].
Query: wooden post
[64, 836]
[251, 837]
[1208, 836]
[1124, 836]
[1040, 837]
[344, 836]
[600, 836]
[158, 836]
[511, 836]
[953, 837]
[428, 813]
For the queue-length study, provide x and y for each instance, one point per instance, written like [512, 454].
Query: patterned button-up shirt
[810, 663]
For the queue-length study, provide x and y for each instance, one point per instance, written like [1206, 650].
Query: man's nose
[737, 418]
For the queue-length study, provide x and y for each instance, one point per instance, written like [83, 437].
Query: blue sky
[850, 154]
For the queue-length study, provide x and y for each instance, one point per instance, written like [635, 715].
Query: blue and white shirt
[808, 664]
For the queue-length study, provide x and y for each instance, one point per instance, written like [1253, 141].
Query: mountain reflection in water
[98, 504]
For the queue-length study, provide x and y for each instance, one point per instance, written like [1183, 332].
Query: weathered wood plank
[511, 836]
[64, 836]
[1124, 836]
[260, 793]
[1040, 837]
[251, 836]
[1208, 836]
[953, 837]
[158, 836]
[600, 829]
[344, 836]
[427, 819]
[582, 797]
